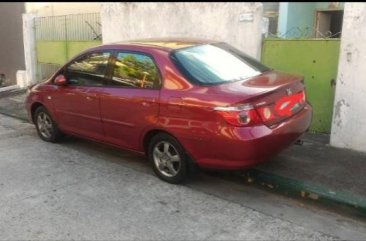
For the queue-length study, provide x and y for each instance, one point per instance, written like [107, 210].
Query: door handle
[89, 98]
[148, 102]
[145, 104]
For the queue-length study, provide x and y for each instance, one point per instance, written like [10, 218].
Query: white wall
[43, 9]
[30, 58]
[349, 114]
[216, 21]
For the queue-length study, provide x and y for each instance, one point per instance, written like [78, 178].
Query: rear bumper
[245, 147]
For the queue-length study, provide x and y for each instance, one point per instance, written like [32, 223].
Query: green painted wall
[317, 61]
[75, 47]
[51, 52]
[58, 52]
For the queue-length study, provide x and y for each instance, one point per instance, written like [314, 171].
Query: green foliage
[130, 67]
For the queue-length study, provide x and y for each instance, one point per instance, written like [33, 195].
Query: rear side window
[88, 70]
[135, 70]
[215, 64]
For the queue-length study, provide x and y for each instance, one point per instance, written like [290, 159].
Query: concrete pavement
[83, 190]
[314, 170]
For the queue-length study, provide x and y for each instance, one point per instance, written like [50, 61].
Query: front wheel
[170, 163]
[46, 127]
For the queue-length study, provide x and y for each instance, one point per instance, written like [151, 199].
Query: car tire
[46, 127]
[168, 158]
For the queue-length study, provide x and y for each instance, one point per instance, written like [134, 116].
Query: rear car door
[130, 104]
[77, 104]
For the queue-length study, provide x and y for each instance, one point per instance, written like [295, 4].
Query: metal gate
[317, 61]
[59, 38]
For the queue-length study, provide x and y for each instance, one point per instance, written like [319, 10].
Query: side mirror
[60, 80]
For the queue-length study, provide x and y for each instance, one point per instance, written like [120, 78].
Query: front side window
[215, 64]
[89, 70]
[135, 70]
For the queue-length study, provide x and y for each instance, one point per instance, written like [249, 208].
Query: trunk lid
[276, 96]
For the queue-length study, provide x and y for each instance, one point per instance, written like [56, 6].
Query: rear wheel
[168, 158]
[46, 127]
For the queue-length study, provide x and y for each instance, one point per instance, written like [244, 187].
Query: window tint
[248, 59]
[215, 64]
[89, 70]
[135, 70]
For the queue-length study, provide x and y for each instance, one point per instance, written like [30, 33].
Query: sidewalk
[12, 103]
[317, 171]
[313, 170]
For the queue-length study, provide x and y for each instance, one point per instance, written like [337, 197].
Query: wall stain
[337, 112]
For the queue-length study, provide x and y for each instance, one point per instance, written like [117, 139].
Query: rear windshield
[218, 63]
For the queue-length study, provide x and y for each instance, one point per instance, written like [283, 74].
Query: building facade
[11, 47]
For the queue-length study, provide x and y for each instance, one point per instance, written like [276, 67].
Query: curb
[8, 113]
[11, 91]
[307, 190]
[9, 88]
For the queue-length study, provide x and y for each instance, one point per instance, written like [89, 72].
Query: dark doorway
[329, 24]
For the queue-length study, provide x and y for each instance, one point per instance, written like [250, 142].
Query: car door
[130, 103]
[77, 105]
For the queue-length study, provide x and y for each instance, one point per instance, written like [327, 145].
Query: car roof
[168, 44]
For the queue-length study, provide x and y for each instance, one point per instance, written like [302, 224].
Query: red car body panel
[125, 116]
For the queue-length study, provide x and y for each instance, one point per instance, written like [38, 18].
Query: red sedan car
[183, 103]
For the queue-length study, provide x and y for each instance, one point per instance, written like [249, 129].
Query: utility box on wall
[239, 24]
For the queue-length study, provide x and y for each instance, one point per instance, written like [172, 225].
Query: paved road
[83, 190]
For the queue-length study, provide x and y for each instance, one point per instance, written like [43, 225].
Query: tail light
[270, 114]
[266, 113]
[282, 108]
[243, 115]
[287, 105]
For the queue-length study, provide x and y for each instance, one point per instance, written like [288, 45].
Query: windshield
[216, 63]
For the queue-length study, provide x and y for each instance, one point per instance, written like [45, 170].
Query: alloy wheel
[166, 159]
[44, 124]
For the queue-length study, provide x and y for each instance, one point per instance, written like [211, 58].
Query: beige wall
[216, 21]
